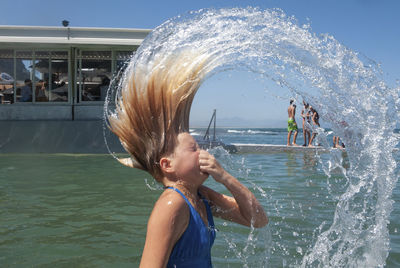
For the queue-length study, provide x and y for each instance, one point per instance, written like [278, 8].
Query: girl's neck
[188, 190]
[183, 186]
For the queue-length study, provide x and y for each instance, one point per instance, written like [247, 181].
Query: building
[60, 73]
[53, 82]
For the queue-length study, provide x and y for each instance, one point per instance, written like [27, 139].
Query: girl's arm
[243, 207]
[167, 222]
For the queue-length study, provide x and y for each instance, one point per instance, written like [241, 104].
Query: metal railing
[213, 118]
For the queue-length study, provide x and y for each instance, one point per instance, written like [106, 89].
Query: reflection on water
[291, 163]
[309, 161]
[306, 160]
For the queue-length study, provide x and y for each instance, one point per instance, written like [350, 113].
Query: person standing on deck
[305, 114]
[315, 121]
[292, 125]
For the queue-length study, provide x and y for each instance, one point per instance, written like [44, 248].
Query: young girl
[315, 120]
[151, 120]
[305, 114]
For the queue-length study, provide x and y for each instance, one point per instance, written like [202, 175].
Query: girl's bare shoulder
[170, 204]
[167, 222]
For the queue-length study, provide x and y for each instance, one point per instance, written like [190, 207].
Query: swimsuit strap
[179, 192]
[210, 219]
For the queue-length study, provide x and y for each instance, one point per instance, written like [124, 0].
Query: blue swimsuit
[193, 249]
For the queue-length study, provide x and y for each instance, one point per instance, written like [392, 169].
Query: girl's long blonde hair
[153, 107]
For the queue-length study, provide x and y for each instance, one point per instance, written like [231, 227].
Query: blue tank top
[193, 248]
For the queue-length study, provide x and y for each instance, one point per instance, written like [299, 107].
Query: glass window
[6, 76]
[42, 67]
[59, 76]
[51, 76]
[122, 59]
[121, 62]
[40, 76]
[94, 74]
[24, 76]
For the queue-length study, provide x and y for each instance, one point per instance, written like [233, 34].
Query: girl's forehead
[185, 138]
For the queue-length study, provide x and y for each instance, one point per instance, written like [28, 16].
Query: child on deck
[315, 121]
[305, 114]
[152, 123]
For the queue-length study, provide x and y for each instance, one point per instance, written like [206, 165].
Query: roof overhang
[72, 35]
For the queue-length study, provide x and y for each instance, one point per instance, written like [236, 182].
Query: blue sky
[371, 27]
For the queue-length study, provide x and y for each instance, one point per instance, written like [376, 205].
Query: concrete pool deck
[250, 148]
[273, 148]
[88, 137]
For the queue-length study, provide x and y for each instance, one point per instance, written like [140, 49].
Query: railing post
[215, 121]
[213, 117]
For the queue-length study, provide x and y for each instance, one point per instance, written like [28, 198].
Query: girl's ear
[165, 164]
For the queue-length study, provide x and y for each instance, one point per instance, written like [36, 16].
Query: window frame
[74, 60]
[78, 72]
[33, 54]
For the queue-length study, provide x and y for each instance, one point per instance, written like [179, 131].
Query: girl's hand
[208, 164]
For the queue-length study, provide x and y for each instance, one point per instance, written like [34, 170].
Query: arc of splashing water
[344, 87]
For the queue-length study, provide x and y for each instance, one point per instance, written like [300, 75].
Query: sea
[87, 210]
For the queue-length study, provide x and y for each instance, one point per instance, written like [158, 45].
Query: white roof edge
[75, 35]
[14, 27]
[58, 40]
